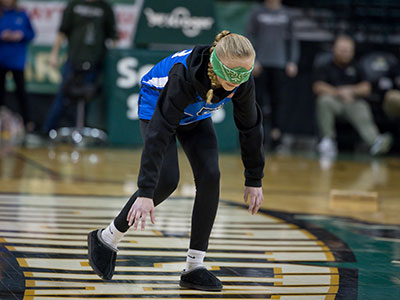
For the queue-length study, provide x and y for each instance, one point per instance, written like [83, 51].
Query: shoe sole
[91, 263]
[189, 285]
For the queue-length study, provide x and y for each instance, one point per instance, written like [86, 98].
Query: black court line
[51, 173]
[56, 176]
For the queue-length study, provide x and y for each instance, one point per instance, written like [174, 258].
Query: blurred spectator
[15, 34]
[340, 87]
[391, 102]
[87, 24]
[270, 30]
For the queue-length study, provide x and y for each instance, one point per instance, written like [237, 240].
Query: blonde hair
[227, 45]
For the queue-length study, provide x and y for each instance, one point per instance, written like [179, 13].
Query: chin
[228, 88]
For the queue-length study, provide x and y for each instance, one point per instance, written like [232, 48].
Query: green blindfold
[236, 75]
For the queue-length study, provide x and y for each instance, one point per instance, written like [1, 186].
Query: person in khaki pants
[391, 101]
[340, 87]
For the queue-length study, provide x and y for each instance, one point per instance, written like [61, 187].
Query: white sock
[194, 259]
[111, 235]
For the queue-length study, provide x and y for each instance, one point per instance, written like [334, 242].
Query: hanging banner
[46, 18]
[176, 22]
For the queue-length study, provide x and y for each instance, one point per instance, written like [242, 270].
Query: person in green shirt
[87, 25]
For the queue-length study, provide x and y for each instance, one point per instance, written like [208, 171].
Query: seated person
[340, 87]
[391, 101]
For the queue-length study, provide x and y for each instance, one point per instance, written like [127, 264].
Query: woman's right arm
[175, 97]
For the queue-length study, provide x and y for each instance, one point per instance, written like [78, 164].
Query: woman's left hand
[256, 198]
[12, 35]
[17, 36]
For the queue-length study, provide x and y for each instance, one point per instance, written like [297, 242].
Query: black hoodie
[178, 93]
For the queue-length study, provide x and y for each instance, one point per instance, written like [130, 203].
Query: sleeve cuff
[253, 182]
[146, 192]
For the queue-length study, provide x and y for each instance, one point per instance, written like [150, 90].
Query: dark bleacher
[373, 20]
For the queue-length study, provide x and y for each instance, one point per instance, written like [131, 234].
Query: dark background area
[374, 25]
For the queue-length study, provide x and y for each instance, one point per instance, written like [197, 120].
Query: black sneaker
[200, 279]
[102, 256]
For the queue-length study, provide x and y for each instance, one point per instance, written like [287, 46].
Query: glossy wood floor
[296, 248]
[296, 183]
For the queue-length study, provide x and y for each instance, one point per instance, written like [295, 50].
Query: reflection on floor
[268, 256]
[298, 248]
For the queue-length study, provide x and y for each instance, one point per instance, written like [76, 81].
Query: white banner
[46, 18]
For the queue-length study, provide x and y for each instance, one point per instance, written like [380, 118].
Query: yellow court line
[30, 283]
[308, 234]
[157, 233]
[182, 291]
[293, 226]
[29, 293]
[278, 272]
[329, 256]
[22, 262]
[335, 280]
[333, 289]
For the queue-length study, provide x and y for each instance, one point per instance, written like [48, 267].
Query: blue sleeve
[29, 33]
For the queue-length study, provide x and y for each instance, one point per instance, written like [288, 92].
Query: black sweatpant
[19, 80]
[199, 142]
[270, 94]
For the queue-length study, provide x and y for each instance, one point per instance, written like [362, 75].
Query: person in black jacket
[88, 26]
[176, 100]
[341, 86]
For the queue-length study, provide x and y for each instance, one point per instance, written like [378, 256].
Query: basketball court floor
[303, 245]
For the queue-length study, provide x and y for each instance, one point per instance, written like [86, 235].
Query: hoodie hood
[197, 64]
[198, 68]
